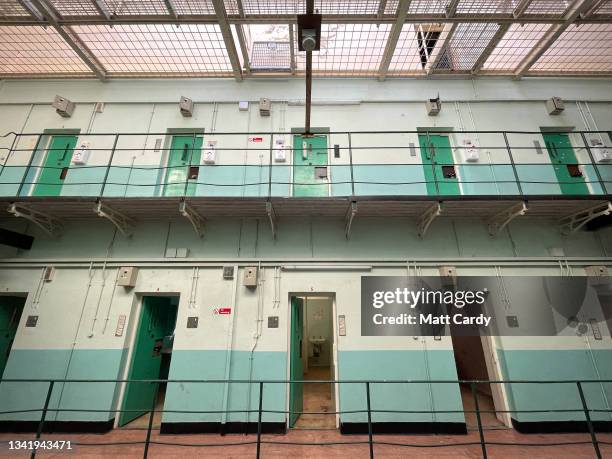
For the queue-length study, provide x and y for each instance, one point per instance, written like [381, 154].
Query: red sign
[223, 311]
[255, 139]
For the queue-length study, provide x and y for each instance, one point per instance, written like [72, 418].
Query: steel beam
[49, 224]
[591, 11]
[226, 32]
[503, 28]
[196, 220]
[102, 8]
[29, 7]
[441, 50]
[171, 8]
[348, 219]
[396, 29]
[451, 9]
[574, 222]
[243, 47]
[521, 8]
[272, 218]
[553, 33]
[293, 64]
[381, 8]
[122, 222]
[70, 37]
[428, 217]
[498, 222]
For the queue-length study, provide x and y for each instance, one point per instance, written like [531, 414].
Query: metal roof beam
[553, 33]
[102, 8]
[490, 47]
[70, 37]
[226, 32]
[396, 30]
[591, 11]
[293, 64]
[30, 8]
[451, 9]
[171, 8]
[381, 8]
[521, 8]
[243, 47]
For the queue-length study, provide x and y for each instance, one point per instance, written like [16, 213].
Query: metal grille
[75, 7]
[584, 48]
[11, 8]
[193, 7]
[468, 43]
[486, 6]
[605, 9]
[158, 49]
[514, 46]
[270, 55]
[407, 58]
[135, 7]
[348, 49]
[428, 7]
[548, 7]
[37, 51]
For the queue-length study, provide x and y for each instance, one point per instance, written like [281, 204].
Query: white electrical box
[555, 105]
[186, 106]
[127, 276]
[243, 106]
[433, 106]
[469, 151]
[280, 150]
[80, 157]
[63, 106]
[265, 105]
[249, 278]
[601, 154]
[210, 152]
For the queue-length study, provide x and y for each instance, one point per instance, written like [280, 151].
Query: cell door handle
[65, 152]
[300, 348]
[185, 150]
[431, 151]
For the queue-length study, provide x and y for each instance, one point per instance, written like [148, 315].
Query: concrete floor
[317, 397]
[485, 403]
[143, 421]
[337, 451]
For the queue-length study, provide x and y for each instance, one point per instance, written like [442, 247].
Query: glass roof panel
[191, 49]
[36, 50]
[514, 46]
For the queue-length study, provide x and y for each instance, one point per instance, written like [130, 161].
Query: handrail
[371, 442]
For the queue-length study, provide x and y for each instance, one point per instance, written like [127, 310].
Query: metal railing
[505, 166]
[369, 411]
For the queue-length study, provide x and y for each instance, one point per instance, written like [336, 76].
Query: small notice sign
[255, 139]
[223, 310]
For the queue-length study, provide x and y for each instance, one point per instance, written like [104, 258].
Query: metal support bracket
[351, 212]
[574, 222]
[50, 225]
[122, 222]
[272, 218]
[428, 217]
[498, 222]
[196, 220]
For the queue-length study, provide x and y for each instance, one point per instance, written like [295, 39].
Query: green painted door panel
[157, 319]
[185, 151]
[296, 391]
[310, 166]
[564, 161]
[438, 164]
[10, 313]
[56, 165]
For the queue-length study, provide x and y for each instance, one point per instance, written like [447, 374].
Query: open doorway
[151, 354]
[11, 308]
[474, 361]
[312, 358]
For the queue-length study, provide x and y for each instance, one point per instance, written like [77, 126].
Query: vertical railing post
[604, 189]
[350, 144]
[259, 419]
[270, 166]
[151, 416]
[110, 163]
[41, 423]
[8, 155]
[25, 174]
[516, 177]
[370, 442]
[587, 415]
[483, 444]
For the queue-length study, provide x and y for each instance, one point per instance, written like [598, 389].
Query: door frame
[166, 146]
[320, 131]
[443, 132]
[130, 340]
[334, 350]
[499, 393]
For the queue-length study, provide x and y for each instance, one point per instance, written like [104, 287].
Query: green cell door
[10, 313]
[183, 165]
[438, 165]
[296, 390]
[157, 320]
[55, 165]
[310, 166]
[564, 161]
